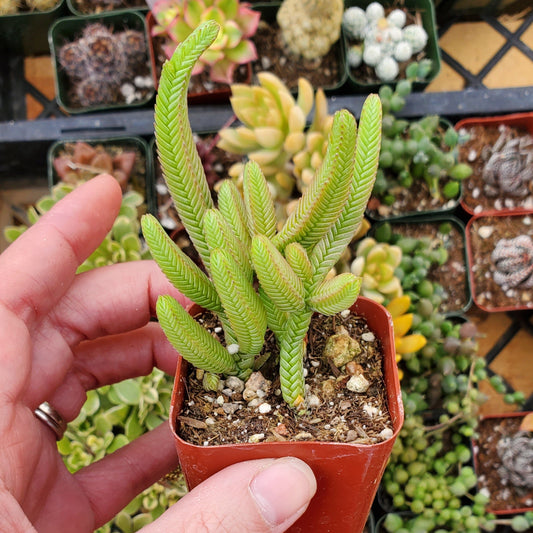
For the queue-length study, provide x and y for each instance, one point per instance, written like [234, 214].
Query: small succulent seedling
[255, 276]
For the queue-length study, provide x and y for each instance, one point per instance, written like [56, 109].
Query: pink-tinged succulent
[176, 19]
[513, 259]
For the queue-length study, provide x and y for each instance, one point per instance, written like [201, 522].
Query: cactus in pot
[176, 20]
[238, 241]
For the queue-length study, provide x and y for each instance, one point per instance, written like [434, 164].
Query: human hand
[63, 334]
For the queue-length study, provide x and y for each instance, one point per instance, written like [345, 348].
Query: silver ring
[49, 416]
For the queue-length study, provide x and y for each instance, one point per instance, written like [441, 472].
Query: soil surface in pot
[484, 234]
[273, 56]
[101, 6]
[478, 194]
[452, 275]
[503, 495]
[336, 414]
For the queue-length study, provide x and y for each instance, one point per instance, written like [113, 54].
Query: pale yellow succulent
[375, 264]
[273, 124]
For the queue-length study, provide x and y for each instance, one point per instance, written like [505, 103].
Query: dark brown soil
[101, 6]
[470, 152]
[452, 275]
[503, 496]
[486, 292]
[340, 417]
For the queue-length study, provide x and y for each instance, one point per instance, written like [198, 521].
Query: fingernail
[283, 490]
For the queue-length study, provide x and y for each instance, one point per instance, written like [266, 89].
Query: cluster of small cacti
[10, 7]
[383, 42]
[175, 20]
[508, 167]
[100, 62]
[513, 262]
[419, 150]
[310, 27]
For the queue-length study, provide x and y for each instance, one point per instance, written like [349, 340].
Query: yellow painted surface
[447, 80]
[513, 70]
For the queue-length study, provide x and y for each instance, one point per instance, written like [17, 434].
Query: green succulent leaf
[218, 234]
[231, 205]
[191, 340]
[335, 295]
[276, 277]
[299, 261]
[324, 200]
[329, 249]
[181, 271]
[258, 201]
[181, 164]
[241, 303]
[276, 319]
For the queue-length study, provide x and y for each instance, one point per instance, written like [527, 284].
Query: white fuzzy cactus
[387, 69]
[354, 22]
[416, 36]
[374, 11]
[403, 51]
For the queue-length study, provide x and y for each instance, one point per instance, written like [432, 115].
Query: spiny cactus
[176, 20]
[375, 263]
[310, 27]
[238, 241]
[513, 260]
[273, 127]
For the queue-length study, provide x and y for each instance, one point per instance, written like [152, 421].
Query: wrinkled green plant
[238, 241]
[272, 129]
[177, 19]
[120, 245]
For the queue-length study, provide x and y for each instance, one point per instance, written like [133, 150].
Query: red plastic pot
[518, 120]
[478, 268]
[476, 447]
[348, 475]
[216, 96]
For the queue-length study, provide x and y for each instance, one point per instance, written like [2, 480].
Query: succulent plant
[272, 130]
[176, 20]
[418, 150]
[121, 244]
[375, 263]
[238, 241]
[310, 27]
[513, 260]
[516, 455]
[508, 165]
[382, 42]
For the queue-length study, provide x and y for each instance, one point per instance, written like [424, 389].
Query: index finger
[37, 269]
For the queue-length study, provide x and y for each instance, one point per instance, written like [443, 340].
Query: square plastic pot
[479, 238]
[523, 121]
[432, 50]
[26, 32]
[478, 449]
[348, 475]
[70, 28]
[142, 183]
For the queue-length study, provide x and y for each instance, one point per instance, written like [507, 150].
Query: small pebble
[368, 337]
[345, 313]
[485, 231]
[233, 349]
[265, 408]
[256, 437]
[387, 433]
[358, 383]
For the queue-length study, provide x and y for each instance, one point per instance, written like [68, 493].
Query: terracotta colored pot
[481, 265]
[216, 96]
[517, 120]
[476, 446]
[348, 475]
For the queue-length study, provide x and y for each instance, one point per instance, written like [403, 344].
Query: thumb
[265, 495]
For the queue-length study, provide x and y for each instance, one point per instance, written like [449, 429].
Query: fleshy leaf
[336, 294]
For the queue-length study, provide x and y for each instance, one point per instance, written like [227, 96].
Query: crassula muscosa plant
[177, 19]
[256, 277]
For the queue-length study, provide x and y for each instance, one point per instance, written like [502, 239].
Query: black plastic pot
[432, 50]
[69, 29]
[74, 9]
[26, 32]
[141, 181]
